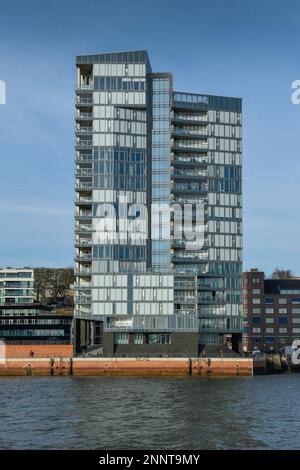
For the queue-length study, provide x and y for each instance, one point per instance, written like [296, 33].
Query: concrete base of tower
[88, 334]
[130, 344]
[220, 345]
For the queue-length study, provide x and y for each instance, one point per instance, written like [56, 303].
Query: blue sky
[226, 47]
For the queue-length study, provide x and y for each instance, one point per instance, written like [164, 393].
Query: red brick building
[271, 312]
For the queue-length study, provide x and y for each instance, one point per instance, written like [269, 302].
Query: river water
[150, 413]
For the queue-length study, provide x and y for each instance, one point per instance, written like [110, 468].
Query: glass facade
[140, 148]
[161, 102]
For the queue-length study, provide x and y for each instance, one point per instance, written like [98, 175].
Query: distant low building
[271, 312]
[16, 286]
[34, 324]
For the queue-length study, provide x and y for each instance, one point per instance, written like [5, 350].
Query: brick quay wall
[152, 367]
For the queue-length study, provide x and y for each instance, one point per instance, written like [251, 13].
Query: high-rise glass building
[158, 218]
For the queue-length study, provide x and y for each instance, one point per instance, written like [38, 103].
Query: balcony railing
[83, 87]
[86, 186]
[84, 200]
[184, 311]
[189, 160]
[189, 188]
[83, 130]
[84, 158]
[83, 228]
[83, 272]
[190, 145]
[183, 132]
[85, 285]
[211, 285]
[84, 101]
[83, 214]
[85, 257]
[83, 172]
[186, 257]
[184, 300]
[84, 116]
[190, 117]
[83, 299]
[189, 174]
[85, 144]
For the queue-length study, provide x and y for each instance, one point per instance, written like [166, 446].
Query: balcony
[189, 175]
[190, 118]
[219, 300]
[83, 242]
[84, 158]
[212, 312]
[83, 214]
[189, 258]
[83, 228]
[84, 186]
[180, 269]
[188, 133]
[189, 188]
[83, 299]
[185, 161]
[83, 172]
[83, 257]
[184, 300]
[86, 102]
[211, 285]
[83, 201]
[83, 130]
[185, 282]
[189, 146]
[83, 272]
[83, 285]
[189, 245]
[85, 87]
[82, 312]
[84, 116]
[84, 144]
[184, 311]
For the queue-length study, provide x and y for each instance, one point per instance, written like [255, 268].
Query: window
[256, 320]
[282, 301]
[283, 330]
[269, 300]
[255, 291]
[282, 310]
[256, 310]
[270, 339]
[283, 321]
[296, 330]
[269, 310]
[159, 339]
[256, 301]
[296, 320]
[269, 330]
[138, 338]
[270, 320]
[121, 338]
[256, 340]
[256, 330]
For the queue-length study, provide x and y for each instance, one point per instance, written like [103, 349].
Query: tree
[53, 284]
[280, 273]
[41, 283]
